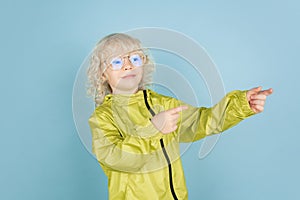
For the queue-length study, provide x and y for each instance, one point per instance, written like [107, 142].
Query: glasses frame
[127, 55]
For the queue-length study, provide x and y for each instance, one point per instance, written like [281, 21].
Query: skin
[257, 98]
[126, 81]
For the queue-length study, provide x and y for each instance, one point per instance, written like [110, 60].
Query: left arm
[197, 123]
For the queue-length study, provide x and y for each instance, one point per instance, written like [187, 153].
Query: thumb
[253, 91]
[257, 89]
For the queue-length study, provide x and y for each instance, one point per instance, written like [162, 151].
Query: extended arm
[197, 123]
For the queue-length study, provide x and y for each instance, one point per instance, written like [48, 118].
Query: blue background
[43, 44]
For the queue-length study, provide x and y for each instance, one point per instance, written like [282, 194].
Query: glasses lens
[116, 63]
[136, 60]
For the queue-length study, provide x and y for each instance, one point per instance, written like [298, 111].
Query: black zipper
[170, 168]
[147, 105]
[164, 150]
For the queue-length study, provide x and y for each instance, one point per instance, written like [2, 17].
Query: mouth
[129, 76]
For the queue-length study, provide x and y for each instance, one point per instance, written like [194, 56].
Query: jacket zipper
[164, 150]
[170, 168]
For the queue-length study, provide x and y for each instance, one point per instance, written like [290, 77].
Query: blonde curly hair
[108, 47]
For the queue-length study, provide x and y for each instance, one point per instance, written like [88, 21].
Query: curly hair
[108, 47]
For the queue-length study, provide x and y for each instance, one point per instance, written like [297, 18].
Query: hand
[257, 97]
[166, 121]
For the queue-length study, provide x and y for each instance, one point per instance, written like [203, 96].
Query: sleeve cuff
[245, 107]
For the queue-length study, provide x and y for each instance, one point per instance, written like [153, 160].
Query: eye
[116, 61]
[136, 60]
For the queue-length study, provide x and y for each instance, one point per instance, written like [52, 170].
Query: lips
[129, 76]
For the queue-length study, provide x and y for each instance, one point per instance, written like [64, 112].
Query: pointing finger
[178, 109]
[266, 92]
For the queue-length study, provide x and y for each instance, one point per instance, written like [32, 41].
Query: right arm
[129, 153]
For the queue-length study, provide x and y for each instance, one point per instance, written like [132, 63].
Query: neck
[132, 91]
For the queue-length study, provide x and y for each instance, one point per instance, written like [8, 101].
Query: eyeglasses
[136, 58]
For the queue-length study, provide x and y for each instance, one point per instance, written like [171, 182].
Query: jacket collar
[126, 98]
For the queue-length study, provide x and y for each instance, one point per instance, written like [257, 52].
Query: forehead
[118, 47]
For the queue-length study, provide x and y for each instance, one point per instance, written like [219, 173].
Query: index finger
[266, 92]
[178, 109]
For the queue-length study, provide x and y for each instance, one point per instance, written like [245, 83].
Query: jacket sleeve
[197, 123]
[128, 154]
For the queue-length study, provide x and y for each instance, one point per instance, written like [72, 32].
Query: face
[126, 78]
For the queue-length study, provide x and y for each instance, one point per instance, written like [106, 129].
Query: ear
[104, 77]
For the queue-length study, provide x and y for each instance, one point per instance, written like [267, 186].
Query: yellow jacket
[141, 162]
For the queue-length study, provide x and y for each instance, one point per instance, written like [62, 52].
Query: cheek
[140, 71]
[112, 77]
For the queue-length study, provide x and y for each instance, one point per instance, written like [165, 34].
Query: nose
[127, 64]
